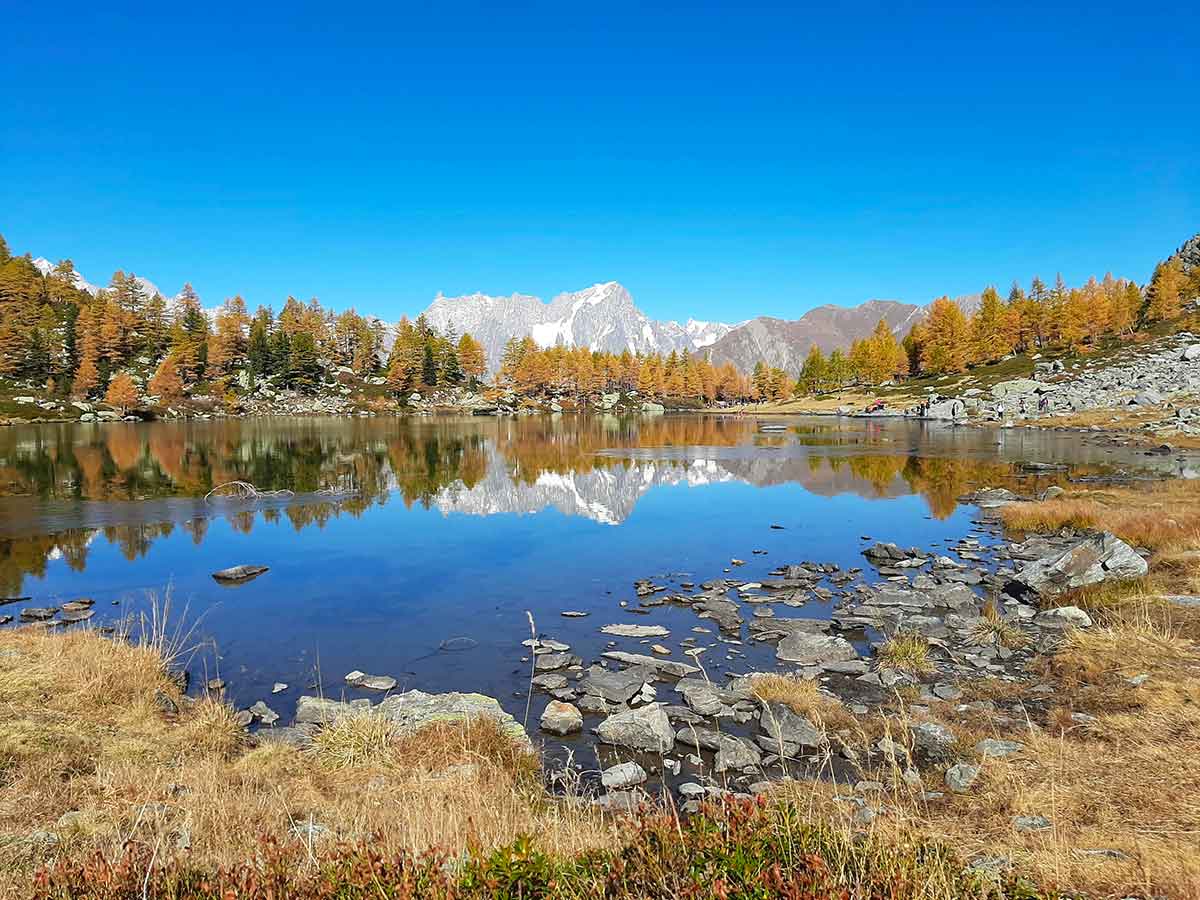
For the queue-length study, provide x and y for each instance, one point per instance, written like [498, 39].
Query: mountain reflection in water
[61, 486]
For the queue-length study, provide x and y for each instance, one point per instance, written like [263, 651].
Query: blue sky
[721, 161]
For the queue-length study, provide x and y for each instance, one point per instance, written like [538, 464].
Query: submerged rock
[371, 682]
[636, 631]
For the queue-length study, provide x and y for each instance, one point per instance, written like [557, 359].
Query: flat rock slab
[636, 631]
[668, 666]
[815, 649]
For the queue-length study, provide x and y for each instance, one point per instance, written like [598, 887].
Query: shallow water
[450, 528]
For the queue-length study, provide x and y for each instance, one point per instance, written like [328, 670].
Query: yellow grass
[88, 754]
[1164, 516]
[804, 697]
[906, 651]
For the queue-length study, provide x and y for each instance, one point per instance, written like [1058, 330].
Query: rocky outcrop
[1089, 561]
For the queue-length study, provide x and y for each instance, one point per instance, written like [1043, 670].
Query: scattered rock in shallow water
[39, 614]
[670, 667]
[623, 776]
[370, 682]
[636, 631]
[548, 662]
[278, 687]
[242, 718]
[573, 614]
[263, 713]
[960, 777]
[646, 728]
[561, 718]
[238, 574]
[613, 687]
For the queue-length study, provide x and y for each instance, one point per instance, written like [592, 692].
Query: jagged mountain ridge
[601, 317]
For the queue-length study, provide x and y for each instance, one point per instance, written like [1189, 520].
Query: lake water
[405, 533]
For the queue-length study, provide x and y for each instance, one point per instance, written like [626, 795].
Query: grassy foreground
[115, 785]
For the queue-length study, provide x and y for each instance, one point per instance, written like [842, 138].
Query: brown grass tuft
[906, 651]
[804, 697]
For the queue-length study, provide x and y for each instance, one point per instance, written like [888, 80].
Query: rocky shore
[1163, 377]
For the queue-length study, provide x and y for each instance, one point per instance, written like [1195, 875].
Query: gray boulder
[413, 710]
[561, 718]
[784, 728]
[1094, 559]
[646, 728]
[1017, 387]
[960, 777]
[622, 776]
[933, 740]
[1063, 617]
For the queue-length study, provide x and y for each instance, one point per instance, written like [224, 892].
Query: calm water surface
[404, 533]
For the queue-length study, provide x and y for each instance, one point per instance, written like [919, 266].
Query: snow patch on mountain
[600, 317]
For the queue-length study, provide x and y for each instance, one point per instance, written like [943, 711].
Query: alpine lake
[425, 548]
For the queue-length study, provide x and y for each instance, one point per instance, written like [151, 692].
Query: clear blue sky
[719, 160]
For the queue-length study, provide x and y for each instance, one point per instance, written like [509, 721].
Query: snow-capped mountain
[44, 266]
[601, 317]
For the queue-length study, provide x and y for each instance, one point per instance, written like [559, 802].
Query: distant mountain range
[601, 317]
[604, 317]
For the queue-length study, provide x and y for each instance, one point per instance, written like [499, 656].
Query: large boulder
[646, 728]
[1092, 560]
[787, 731]
[413, 710]
[946, 409]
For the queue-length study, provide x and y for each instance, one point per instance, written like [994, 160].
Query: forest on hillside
[129, 346]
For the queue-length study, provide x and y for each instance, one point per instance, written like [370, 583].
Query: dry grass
[906, 651]
[1163, 516]
[804, 697]
[994, 628]
[88, 754]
